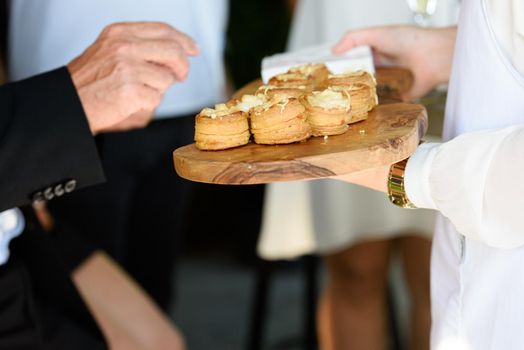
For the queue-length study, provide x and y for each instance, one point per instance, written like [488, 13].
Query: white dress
[325, 216]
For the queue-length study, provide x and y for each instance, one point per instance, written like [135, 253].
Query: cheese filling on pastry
[220, 110]
[329, 99]
[290, 77]
[277, 100]
[347, 88]
[249, 102]
[264, 88]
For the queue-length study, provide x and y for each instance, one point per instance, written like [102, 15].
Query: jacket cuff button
[49, 194]
[59, 190]
[70, 186]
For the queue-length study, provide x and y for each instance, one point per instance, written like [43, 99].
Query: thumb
[419, 89]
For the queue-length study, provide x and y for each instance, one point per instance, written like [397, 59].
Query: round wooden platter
[391, 133]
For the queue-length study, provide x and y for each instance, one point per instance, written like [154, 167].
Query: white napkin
[360, 58]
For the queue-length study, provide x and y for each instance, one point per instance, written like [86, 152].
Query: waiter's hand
[374, 178]
[122, 77]
[427, 53]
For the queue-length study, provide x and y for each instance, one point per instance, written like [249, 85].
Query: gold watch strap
[396, 191]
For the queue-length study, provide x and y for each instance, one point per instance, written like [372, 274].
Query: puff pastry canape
[328, 111]
[221, 128]
[291, 92]
[281, 120]
[292, 80]
[363, 99]
[350, 78]
[318, 74]
[357, 77]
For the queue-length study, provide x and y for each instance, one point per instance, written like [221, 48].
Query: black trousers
[39, 306]
[29, 322]
[138, 214]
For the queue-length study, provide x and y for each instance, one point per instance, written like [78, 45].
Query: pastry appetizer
[357, 77]
[220, 128]
[292, 80]
[329, 111]
[350, 78]
[362, 100]
[291, 92]
[281, 120]
[317, 73]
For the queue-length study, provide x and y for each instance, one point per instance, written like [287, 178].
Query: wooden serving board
[391, 133]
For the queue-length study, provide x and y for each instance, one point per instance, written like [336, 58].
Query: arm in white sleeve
[477, 181]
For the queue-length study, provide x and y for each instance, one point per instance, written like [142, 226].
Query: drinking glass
[422, 10]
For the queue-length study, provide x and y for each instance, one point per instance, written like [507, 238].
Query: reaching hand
[122, 77]
[426, 52]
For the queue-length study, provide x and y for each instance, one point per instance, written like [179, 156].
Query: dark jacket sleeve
[46, 147]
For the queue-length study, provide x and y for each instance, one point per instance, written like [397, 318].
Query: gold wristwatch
[396, 191]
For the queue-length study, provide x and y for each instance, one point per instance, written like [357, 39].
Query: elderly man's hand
[122, 77]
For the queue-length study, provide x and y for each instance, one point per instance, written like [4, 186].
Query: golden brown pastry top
[355, 77]
[290, 80]
[221, 114]
[279, 105]
[291, 92]
[311, 69]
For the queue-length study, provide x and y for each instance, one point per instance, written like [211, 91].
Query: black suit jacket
[46, 147]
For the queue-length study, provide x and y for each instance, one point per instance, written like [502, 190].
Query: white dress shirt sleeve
[12, 223]
[477, 181]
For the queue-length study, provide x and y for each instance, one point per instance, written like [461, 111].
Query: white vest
[478, 291]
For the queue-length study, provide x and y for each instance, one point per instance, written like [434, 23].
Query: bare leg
[352, 309]
[127, 316]
[416, 251]
[324, 326]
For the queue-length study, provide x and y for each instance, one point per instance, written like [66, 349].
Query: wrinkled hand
[426, 52]
[138, 120]
[123, 75]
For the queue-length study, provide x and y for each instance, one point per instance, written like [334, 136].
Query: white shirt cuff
[12, 224]
[417, 173]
